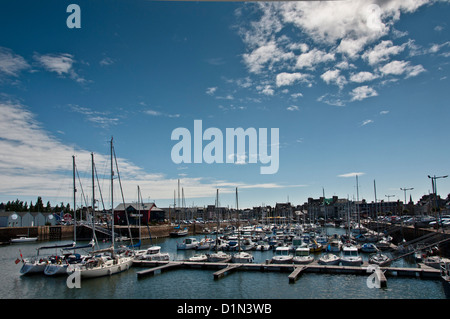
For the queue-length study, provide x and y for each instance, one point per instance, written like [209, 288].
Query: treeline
[20, 206]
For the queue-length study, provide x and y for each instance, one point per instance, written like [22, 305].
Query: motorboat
[315, 247]
[262, 246]
[369, 248]
[154, 253]
[204, 244]
[334, 245]
[302, 256]
[350, 256]
[219, 256]
[379, 259]
[23, 239]
[282, 256]
[242, 257]
[329, 259]
[188, 243]
[198, 257]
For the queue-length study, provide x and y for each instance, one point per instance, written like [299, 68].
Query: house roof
[136, 206]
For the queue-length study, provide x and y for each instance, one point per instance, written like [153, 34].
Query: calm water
[199, 284]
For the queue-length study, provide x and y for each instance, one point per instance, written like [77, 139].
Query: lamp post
[389, 196]
[434, 187]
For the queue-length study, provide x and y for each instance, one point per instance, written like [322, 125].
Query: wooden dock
[295, 271]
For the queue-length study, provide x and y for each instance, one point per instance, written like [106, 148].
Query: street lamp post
[434, 187]
[389, 196]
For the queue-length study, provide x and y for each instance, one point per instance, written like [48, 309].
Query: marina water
[199, 283]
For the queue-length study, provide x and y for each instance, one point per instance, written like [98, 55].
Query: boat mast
[357, 204]
[93, 195]
[217, 214]
[74, 202]
[112, 193]
[239, 221]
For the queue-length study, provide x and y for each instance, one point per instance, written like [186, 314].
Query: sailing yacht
[106, 261]
[218, 256]
[240, 256]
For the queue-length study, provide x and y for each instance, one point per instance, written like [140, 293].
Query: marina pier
[295, 271]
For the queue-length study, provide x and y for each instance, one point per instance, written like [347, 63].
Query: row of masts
[113, 160]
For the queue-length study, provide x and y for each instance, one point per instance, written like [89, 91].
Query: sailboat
[106, 261]
[240, 256]
[218, 256]
[58, 264]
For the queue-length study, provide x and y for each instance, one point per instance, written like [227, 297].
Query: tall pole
[93, 195]
[74, 202]
[112, 193]
[433, 181]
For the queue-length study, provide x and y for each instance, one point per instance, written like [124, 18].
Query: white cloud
[353, 174]
[334, 77]
[362, 92]
[62, 64]
[292, 108]
[384, 112]
[211, 90]
[101, 119]
[381, 52]
[35, 163]
[402, 67]
[265, 56]
[312, 58]
[363, 76]
[289, 78]
[11, 64]
[366, 122]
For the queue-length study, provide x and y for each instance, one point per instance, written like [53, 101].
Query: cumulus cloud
[11, 64]
[284, 78]
[362, 92]
[363, 76]
[334, 77]
[402, 67]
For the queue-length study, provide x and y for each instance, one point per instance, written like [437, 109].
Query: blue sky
[354, 88]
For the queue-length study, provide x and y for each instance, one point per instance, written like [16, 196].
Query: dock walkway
[295, 271]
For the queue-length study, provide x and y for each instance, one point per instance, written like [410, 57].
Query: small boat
[334, 245]
[188, 243]
[329, 259]
[282, 256]
[177, 232]
[445, 270]
[262, 246]
[198, 257]
[350, 256]
[23, 239]
[302, 256]
[315, 247]
[379, 259]
[204, 244]
[369, 248]
[219, 257]
[242, 257]
[153, 253]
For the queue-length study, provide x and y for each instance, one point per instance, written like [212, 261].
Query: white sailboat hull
[33, 267]
[55, 269]
[107, 269]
